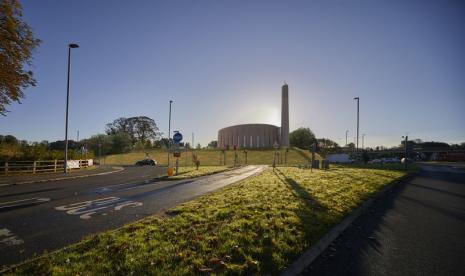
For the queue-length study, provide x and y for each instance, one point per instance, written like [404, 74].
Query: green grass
[191, 172]
[212, 157]
[257, 226]
[390, 166]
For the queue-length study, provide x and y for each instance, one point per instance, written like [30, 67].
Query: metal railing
[42, 166]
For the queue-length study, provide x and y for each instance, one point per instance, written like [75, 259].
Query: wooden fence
[45, 166]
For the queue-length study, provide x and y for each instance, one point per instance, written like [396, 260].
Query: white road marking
[21, 202]
[10, 239]
[86, 209]
[128, 203]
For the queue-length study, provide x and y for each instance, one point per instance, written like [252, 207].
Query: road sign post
[177, 138]
[275, 146]
[313, 156]
[235, 155]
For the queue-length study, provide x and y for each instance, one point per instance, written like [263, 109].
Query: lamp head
[73, 45]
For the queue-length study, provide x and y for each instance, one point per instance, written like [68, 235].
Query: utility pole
[358, 117]
[406, 151]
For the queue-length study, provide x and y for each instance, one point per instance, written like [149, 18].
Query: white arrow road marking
[127, 203]
[87, 208]
[22, 202]
[9, 239]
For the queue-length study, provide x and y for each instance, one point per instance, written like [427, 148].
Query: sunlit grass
[257, 226]
[213, 157]
[190, 172]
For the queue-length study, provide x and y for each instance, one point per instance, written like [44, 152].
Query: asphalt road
[47, 216]
[417, 229]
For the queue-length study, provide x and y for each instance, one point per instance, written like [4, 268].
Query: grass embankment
[258, 225]
[191, 172]
[214, 157]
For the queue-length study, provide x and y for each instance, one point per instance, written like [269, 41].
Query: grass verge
[256, 226]
[215, 157]
[191, 172]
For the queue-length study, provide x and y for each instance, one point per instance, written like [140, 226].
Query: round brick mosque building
[258, 135]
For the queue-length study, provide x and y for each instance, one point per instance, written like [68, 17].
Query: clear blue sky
[223, 63]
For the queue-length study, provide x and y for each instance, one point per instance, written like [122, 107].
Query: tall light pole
[406, 151]
[347, 131]
[358, 109]
[70, 46]
[169, 135]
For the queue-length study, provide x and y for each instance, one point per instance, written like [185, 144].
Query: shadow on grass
[315, 217]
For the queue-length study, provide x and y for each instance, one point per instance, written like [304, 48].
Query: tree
[302, 138]
[100, 143]
[213, 144]
[120, 143]
[139, 129]
[17, 44]
[162, 143]
[9, 139]
[327, 143]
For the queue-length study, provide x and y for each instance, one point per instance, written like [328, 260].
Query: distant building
[259, 135]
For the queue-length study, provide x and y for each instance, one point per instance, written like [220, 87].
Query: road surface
[417, 229]
[47, 216]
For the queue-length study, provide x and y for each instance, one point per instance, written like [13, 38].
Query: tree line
[121, 136]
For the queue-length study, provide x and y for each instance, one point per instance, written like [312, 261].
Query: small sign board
[177, 137]
[177, 154]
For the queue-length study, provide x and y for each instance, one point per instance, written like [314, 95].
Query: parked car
[375, 161]
[147, 162]
[391, 160]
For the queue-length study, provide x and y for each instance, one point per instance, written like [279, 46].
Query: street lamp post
[70, 46]
[406, 151]
[169, 135]
[358, 112]
[347, 131]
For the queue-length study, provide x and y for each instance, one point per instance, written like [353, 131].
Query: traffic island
[257, 226]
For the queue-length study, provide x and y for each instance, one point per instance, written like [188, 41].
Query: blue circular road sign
[177, 137]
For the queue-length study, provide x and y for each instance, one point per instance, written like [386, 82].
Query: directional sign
[177, 137]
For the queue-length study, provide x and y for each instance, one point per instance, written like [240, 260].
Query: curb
[116, 169]
[323, 243]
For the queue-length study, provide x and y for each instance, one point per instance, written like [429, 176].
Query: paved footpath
[417, 229]
[47, 216]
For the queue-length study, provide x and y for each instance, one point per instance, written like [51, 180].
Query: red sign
[235, 147]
